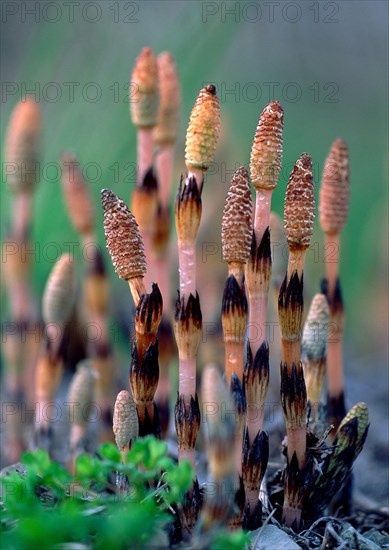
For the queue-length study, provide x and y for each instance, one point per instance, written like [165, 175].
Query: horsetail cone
[81, 393]
[203, 130]
[76, 194]
[299, 207]
[359, 413]
[22, 146]
[266, 151]
[314, 347]
[124, 241]
[169, 102]
[59, 293]
[237, 224]
[125, 420]
[314, 340]
[144, 90]
[335, 189]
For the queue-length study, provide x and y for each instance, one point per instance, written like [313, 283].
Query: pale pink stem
[335, 366]
[187, 378]
[234, 360]
[257, 324]
[258, 302]
[13, 383]
[77, 432]
[255, 420]
[20, 301]
[187, 268]
[291, 515]
[187, 454]
[199, 175]
[14, 362]
[22, 214]
[165, 162]
[262, 212]
[99, 331]
[332, 252]
[252, 497]
[164, 387]
[335, 343]
[297, 442]
[187, 365]
[89, 246]
[145, 151]
[31, 354]
[41, 412]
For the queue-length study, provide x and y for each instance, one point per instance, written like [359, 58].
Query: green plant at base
[47, 506]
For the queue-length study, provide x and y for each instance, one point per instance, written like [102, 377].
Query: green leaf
[179, 478]
[110, 452]
[237, 540]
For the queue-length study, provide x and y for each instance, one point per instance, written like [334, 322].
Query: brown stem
[296, 262]
[291, 351]
[137, 287]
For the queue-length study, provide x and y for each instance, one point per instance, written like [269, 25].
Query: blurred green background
[325, 61]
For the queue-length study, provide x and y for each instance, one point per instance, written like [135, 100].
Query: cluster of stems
[236, 443]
